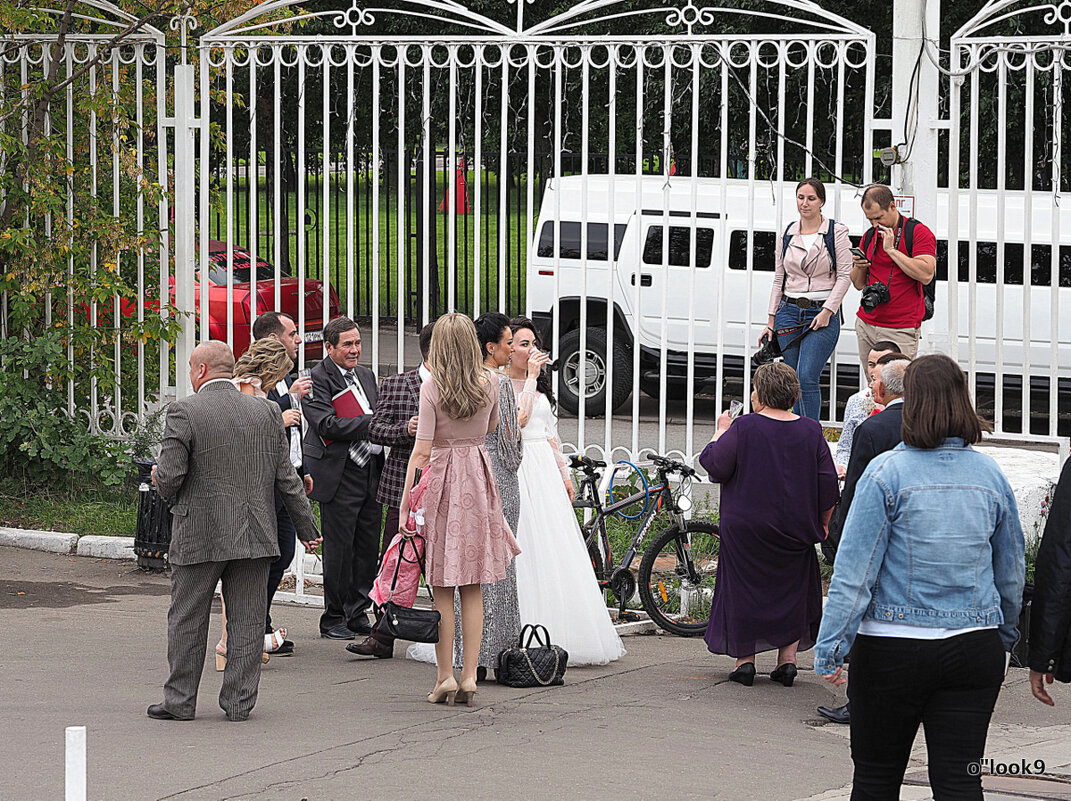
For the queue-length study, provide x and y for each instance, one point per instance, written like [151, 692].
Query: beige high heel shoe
[221, 658]
[466, 694]
[444, 691]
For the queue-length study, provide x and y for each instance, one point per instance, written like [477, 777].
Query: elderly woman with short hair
[778, 488]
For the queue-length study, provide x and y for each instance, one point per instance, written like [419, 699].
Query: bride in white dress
[556, 585]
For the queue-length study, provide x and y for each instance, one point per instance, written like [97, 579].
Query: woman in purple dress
[778, 489]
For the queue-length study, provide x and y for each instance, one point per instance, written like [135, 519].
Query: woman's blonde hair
[457, 367]
[266, 359]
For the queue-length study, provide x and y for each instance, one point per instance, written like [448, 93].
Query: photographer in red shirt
[901, 258]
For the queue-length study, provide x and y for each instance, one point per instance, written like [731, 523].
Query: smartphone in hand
[859, 254]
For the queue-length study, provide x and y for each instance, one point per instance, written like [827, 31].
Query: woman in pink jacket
[813, 267]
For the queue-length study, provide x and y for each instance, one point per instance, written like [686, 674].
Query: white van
[641, 291]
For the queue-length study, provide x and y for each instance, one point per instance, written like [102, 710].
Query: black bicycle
[678, 570]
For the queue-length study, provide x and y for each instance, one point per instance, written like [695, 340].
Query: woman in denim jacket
[930, 576]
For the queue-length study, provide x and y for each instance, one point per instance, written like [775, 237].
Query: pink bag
[409, 572]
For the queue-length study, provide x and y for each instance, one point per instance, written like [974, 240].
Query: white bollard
[76, 763]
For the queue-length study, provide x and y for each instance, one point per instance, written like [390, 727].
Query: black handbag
[402, 622]
[525, 666]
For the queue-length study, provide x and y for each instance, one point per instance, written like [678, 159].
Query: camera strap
[900, 227]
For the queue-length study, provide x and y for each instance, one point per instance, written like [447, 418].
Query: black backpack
[928, 291]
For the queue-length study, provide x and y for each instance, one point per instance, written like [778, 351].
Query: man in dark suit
[287, 394]
[1049, 654]
[874, 436]
[394, 425]
[345, 468]
[223, 457]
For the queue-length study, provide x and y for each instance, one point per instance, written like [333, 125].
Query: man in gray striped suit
[223, 456]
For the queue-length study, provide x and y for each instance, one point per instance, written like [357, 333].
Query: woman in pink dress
[468, 541]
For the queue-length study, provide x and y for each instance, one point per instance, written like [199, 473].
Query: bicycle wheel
[677, 576]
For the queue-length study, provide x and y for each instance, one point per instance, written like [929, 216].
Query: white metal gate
[110, 164]
[351, 140]
[1009, 213]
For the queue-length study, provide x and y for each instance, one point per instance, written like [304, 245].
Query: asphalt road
[84, 644]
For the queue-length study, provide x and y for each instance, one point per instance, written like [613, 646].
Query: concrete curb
[106, 547]
[52, 541]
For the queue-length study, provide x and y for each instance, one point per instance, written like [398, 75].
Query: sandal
[274, 641]
[221, 657]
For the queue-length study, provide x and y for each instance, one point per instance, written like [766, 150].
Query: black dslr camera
[873, 295]
[769, 351]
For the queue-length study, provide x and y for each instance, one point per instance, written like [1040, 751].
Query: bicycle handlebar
[667, 465]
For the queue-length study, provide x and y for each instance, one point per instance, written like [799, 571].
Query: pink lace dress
[468, 540]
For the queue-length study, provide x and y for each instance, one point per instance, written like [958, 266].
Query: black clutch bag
[525, 666]
[402, 622]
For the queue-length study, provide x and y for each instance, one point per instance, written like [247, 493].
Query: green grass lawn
[105, 511]
[463, 267]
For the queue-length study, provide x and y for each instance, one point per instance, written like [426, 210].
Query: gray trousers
[192, 588]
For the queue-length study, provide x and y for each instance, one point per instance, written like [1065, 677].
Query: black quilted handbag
[401, 622]
[525, 666]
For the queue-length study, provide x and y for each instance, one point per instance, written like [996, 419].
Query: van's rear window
[680, 238]
[570, 248]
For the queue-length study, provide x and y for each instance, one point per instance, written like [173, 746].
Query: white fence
[396, 162]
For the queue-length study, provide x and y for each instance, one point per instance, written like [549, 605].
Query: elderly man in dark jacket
[1049, 656]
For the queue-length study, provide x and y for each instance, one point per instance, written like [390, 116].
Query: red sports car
[265, 283]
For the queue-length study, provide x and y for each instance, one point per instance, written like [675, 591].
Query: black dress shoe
[362, 626]
[745, 674]
[339, 632]
[837, 714]
[158, 712]
[785, 674]
[370, 646]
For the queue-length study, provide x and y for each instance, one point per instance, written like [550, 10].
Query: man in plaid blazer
[394, 425]
[223, 457]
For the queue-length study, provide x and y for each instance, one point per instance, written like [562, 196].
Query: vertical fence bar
[253, 188]
[667, 235]
[351, 178]
[139, 211]
[327, 183]
[585, 85]
[1001, 266]
[477, 171]
[637, 215]
[1028, 240]
[403, 183]
[611, 246]
[204, 210]
[451, 188]
[229, 140]
[972, 250]
[724, 233]
[302, 186]
[693, 249]
[1055, 239]
[425, 210]
[278, 209]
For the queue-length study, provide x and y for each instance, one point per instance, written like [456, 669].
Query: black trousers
[350, 525]
[287, 544]
[950, 686]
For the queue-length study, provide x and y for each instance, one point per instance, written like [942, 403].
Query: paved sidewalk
[84, 643]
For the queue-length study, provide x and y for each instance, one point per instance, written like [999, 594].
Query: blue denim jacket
[932, 539]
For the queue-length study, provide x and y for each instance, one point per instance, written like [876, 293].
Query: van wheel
[595, 376]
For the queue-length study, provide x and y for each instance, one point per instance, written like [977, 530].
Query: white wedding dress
[556, 584]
